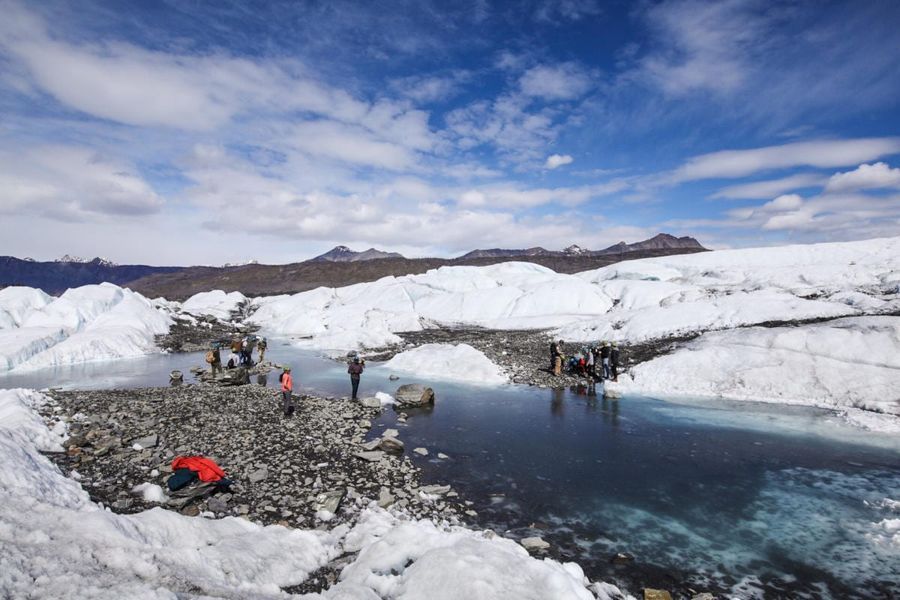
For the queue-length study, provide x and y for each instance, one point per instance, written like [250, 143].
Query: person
[604, 360]
[216, 363]
[235, 345]
[245, 352]
[287, 388]
[590, 362]
[263, 344]
[355, 368]
[556, 357]
[233, 360]
[614, 361]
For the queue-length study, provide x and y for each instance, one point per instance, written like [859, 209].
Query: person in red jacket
[355, 368]
[287, 387]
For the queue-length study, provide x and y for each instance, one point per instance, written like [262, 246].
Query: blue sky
[212, 132]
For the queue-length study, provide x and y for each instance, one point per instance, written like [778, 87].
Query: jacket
[206, 469]
[287, 383]
[355, 370]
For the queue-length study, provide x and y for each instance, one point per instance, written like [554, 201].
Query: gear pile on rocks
[298, 471]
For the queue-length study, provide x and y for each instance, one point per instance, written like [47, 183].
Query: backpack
[210, 357]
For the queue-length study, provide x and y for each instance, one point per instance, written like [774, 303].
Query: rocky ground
[523, 354]
[197, 333]
[288, 470]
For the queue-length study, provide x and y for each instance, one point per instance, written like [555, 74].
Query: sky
[191, 132]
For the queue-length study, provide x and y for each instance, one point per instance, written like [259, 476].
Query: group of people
[598, 362]
[355, 367]
[241, 353]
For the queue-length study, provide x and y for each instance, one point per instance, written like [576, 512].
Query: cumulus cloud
[771, 187]
[555, 82]
[865, 177]
[558, 160]
[819, 153]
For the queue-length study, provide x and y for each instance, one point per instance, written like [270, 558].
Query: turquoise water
[754, 500]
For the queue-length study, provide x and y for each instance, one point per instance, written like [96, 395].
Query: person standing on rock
[556, 357]
[604, 359]
[287, 388]
[355, 368]
[263, 344]
[214, 357]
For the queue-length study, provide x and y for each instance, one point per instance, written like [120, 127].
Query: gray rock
[534, 543]
[149, 441]
[442, 456]
[385, 498]
[393, 377]
[421, 451]
[372, 445]
[413, 395]
[371, 402]
[391, 433]
[258, 475]
[176, 375]
[330, 501]
[391, 445]
[217, 505]
[435, 490]
[373, 456]
[703, 596]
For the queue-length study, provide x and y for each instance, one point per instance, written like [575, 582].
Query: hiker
[355, 368]
[556, 357]
[235, 345]
[263, 344]
[287, 387]
[590, 363]
[614, 361]
[214, 358]
[604, 360]
[245, 352]
[233, 360]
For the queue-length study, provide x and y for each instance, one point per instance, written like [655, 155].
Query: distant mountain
[345, 254]
[501, 253]
[68, 258]
[55, 277]
[662, 241]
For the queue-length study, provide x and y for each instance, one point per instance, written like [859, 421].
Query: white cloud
[510, 196]
[350, 144]
[566, 81]
[769, 188]
[819, 153]
[557, 160]
[874, 176]
[72, 183]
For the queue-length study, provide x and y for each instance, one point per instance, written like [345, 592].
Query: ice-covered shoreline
[723, 297]
[57, 542]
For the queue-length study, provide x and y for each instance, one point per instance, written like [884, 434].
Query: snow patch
[459, 362]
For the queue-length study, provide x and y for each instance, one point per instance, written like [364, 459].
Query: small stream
[756, 500]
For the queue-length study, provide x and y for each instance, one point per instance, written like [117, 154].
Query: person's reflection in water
[615, 412]
[262, 379]
[556, 401]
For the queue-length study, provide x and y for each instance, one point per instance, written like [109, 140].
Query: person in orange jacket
[287, 387]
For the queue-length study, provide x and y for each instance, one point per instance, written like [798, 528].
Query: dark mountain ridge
[55, 277]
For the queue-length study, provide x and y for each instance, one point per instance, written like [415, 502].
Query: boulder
[176, 375]
[236, 376]
[534, 543]
[330, 501]
[413, 395]
[421, 451]
[391, 445]
[371, 402]
[651, 594]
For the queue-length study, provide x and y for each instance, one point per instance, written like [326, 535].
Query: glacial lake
[754, 500]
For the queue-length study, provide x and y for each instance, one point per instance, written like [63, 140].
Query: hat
[286, 368]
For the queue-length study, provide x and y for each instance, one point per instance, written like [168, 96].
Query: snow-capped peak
[574, 249]
[68, 258]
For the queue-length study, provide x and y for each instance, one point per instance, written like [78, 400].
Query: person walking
[287, 388]
[590, 363]
[355, 368]
[263, 344]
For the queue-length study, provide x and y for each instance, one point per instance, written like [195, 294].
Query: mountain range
[337, 267]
